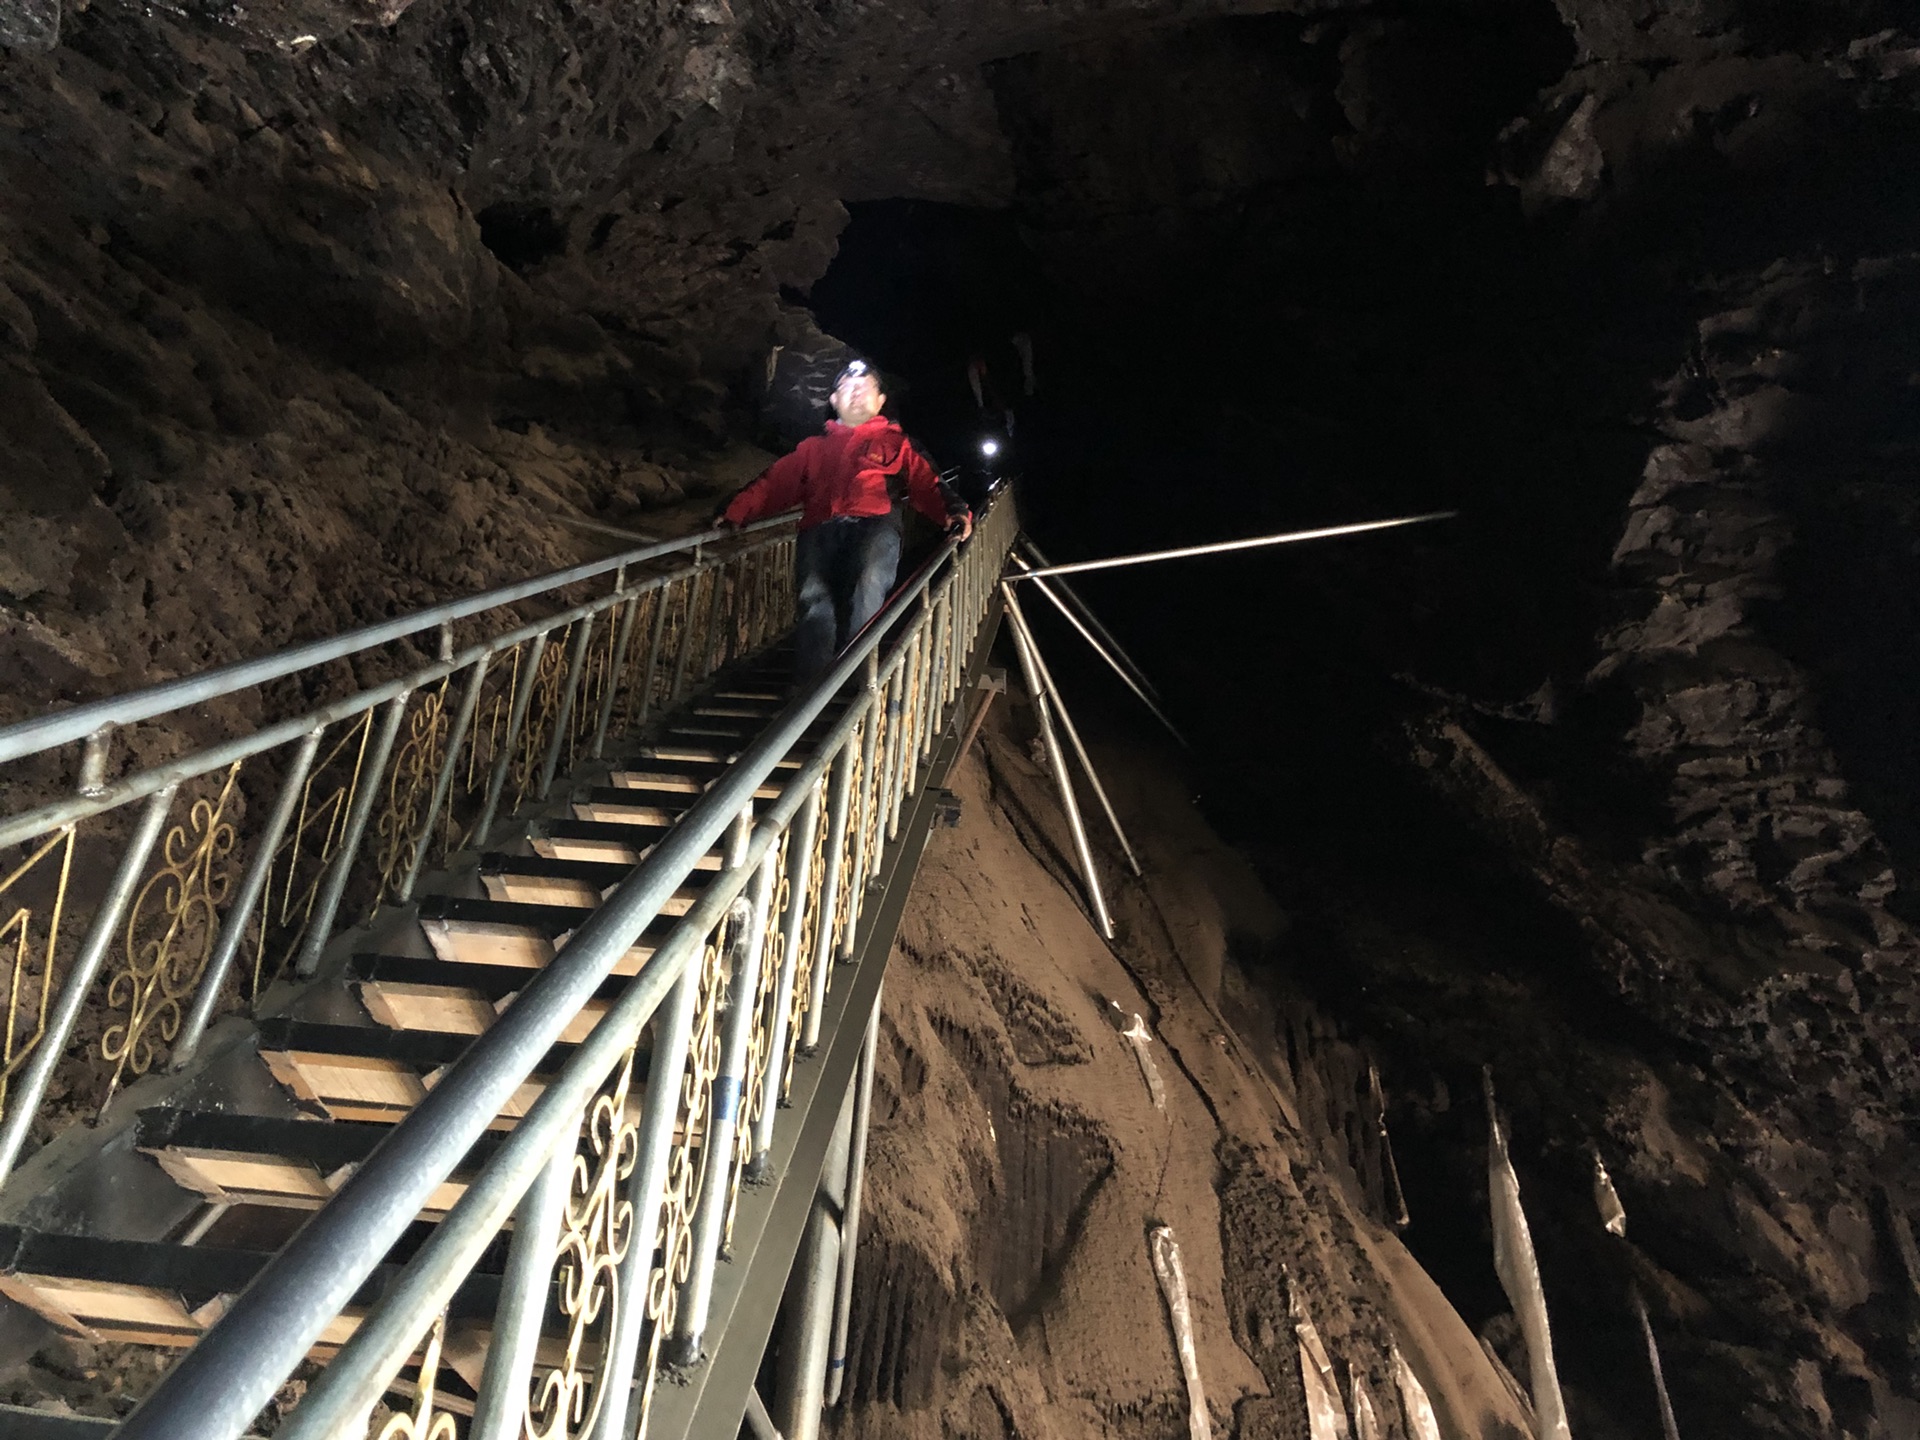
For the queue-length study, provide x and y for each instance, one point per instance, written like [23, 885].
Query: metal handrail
[175, 925]
[862, 769]
[82, 722]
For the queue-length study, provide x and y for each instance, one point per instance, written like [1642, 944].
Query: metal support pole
[1036, 687]
[516, 720]
[568, 689]
[1019, 622]
[443, 783]
[234, 928]
[799, 879]
[1137, 686]
[501, 1409]
[1222, 547]
[800, 1387]
[684, 1346]
[26, 1096]
[850, 1213]
[1093, 621]
[320, 924]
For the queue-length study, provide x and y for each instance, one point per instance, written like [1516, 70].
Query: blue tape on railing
[726, 1099]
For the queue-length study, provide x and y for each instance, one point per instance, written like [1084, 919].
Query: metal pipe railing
[82, 722]
[217, 1388]
[359, 799]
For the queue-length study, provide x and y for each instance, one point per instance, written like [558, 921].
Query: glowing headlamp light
[989, 447]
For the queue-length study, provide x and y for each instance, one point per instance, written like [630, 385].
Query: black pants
[844, 569]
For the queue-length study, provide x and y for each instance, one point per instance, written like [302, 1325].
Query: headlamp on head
[989, 447]
[855, 370]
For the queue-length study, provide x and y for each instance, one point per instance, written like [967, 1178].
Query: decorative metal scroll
[300, 862]
[411, 775]
[170, 930]
[425, 1422]
[596, 1231]
[29, 945]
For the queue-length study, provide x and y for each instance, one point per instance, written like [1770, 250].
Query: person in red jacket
[846, 482]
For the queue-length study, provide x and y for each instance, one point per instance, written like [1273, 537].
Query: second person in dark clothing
[847, 482]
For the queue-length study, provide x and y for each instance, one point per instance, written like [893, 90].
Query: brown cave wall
[1017, 1163]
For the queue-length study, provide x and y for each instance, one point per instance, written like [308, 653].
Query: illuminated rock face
[310, 309]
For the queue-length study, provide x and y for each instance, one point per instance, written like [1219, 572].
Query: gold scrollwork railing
[273, 832]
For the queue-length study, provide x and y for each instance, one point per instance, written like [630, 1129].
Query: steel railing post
[685, 655]
[616, 664]
[725, 595]
[850, 1211]
[576, 662]
[660, 1112]
[709, 1219]
[650, 672]
[509, 742]
[839, 802]
[864, 811]
[889, 761]
[443, 782]
[234, 928]
[799, 879]
[501, 1408]
[26, 1096]
[320, 924]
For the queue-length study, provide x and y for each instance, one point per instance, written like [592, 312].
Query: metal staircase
[480, 1042]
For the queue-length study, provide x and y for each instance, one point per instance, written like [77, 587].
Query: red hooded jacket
[845, 472]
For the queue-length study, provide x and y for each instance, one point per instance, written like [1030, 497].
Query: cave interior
[311, 311]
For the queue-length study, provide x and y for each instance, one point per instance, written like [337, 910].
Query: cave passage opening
[1329, 330]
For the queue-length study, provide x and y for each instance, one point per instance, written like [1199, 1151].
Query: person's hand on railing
[961, 526]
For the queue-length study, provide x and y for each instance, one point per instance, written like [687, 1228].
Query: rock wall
[1018, 1162]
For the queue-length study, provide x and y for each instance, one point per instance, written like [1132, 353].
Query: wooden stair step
[720, 756]
[618, 809]
[233, 1159]
[101, 1290]
[658, 780]
[605, 844]
[601, 800]
[490, 982]
[513, 934]
[457, 1009]
[574, 884]
[369, 1072]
